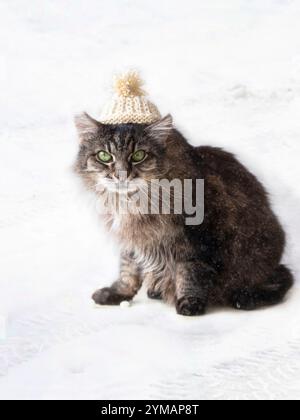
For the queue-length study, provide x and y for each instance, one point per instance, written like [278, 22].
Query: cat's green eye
[138, 156]
[104, 157]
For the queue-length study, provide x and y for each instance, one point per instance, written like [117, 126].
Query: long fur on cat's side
[233, 258]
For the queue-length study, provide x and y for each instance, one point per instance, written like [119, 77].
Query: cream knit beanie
[129, 104]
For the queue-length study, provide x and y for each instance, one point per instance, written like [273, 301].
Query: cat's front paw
[154, 294]
[108, 296]
[190, 306]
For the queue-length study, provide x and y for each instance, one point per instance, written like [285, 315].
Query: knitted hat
[129, 104]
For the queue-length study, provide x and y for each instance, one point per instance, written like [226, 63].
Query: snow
[229, 73]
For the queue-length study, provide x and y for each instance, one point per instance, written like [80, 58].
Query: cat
[233, 258]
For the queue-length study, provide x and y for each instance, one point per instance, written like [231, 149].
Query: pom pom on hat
[129, 84]
[129, 104]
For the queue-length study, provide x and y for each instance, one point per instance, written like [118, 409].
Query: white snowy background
[229, 72]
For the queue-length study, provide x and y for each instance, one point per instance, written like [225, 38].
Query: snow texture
[229, 73]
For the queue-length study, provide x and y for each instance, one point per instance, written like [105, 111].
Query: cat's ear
[86, 126]
[161, 129]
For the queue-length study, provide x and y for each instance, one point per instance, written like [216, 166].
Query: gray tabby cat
[232, 258]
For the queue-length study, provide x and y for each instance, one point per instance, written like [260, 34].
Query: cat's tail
[270, 293]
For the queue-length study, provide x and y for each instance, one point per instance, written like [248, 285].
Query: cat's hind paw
[190, 306]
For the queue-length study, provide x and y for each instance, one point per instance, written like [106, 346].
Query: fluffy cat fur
[232, 259]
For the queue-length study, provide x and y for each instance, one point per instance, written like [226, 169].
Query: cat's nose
[121, 175]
